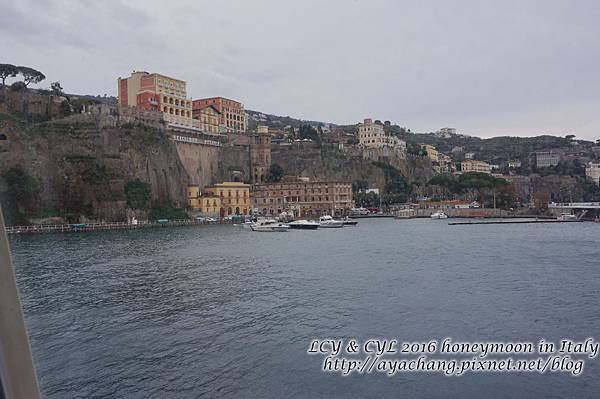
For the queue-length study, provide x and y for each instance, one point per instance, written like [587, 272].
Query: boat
[269, 225]
[439, 215]
[303, 225]
[349, 222]
[566, 217]
[326, 221]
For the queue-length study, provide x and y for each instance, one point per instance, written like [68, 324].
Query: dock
[88, 227]
[512, 222]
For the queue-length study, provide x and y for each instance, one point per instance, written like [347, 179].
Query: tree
[308, 132]
[137, 194]
[65, 108]
[275, 173]
[7, 71]
[359, 185]
[18, 86]
[31, 75]
[56, 88]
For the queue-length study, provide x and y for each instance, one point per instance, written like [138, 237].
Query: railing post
[17, 373]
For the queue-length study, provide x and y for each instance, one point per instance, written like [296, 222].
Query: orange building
[233, 116]
[156, 92]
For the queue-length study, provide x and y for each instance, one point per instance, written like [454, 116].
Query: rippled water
[219, 311]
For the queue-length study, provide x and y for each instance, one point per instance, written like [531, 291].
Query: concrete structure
[222, 199]
[156, 92]
[208, 118]
[233, 115]
[592, 172]
[469, 155]
[260, 154]
[447, 131]
[544, 159]
[372, 135]
[303, 198]
[471, 165]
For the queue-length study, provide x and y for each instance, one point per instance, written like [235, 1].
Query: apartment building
[544, 159]
[222, 199]
[208, 118]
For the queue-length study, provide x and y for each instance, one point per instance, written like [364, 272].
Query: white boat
[439, 215]
[303, 225]
[565, 217]
[269, 225]
[349, 222]
[326, 221]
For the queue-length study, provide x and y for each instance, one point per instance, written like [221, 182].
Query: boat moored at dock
[303, 225]
[439, 215]
[326, 221]
[269, 225]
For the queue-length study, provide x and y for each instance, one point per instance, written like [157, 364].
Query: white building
[372, 135]
[469, 155]
[592, 171]
[470, 165]
[514, 164]
[544, 159]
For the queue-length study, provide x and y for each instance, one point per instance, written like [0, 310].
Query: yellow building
[471, 165]
[208, 118]
[432, 152]
[222, 199]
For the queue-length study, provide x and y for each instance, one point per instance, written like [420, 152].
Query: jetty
[512, 221]
[88, 227]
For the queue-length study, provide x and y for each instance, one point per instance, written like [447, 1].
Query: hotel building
[303, 198]
[372, 135]
[471, 165]
[208, 118]
[156, 92]
[222, 199]
[232, 117]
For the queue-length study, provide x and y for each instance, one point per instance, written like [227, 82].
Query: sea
[219, 311]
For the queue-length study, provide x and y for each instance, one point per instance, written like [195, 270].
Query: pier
[87, 227]
[513, 222]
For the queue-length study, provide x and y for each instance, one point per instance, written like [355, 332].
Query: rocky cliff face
[83, 168]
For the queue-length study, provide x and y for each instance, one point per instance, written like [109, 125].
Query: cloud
[484, 67]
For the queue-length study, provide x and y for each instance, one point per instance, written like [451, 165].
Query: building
[156, 92]
[469, 155]
[471, 165]
[232, 117]
[260, 154]
[222, 199]
[514, 164]
[431, 151]
[448, 131]
[544, 159]
[372, 135]
[592, 172]
[208, 118]
[303, 198]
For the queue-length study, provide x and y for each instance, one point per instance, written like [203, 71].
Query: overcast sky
[484, 67]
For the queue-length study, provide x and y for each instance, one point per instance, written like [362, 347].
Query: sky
[486, 68]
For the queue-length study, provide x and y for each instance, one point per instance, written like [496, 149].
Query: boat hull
[304, 226]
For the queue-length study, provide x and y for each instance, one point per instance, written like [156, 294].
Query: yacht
[303, 225]
[439, 215]
[269, 225]
[349, 222]
[326, 221]
[567, 217]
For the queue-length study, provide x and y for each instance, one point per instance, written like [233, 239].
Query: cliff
[81, 167]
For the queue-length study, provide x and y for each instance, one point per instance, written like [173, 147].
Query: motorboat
[326, 221]
[303, 225]
[567, 217]
[439, 215]
[349, 222]
[269, 225]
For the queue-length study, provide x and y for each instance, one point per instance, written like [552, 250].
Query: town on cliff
[153, 153]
